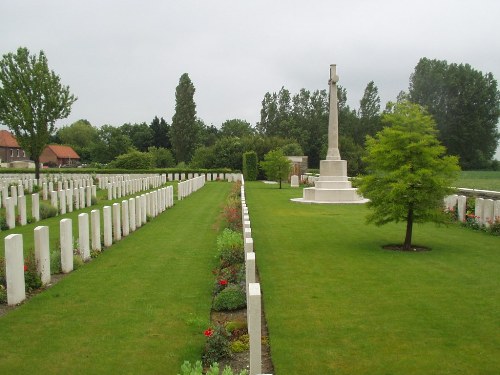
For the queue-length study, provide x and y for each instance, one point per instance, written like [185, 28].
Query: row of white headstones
[118, 221]
[486, 211]
[66, 197]
[254, 304]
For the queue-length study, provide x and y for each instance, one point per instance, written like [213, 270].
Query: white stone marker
[488, 206]
[117, 230]
[83, 236]
[53, 199]
[10, 214]
[249, 269]
[45, 192]
[496, 210]
[248, 245]
[132, 218]
[42, 253]
[254, 328]
[143, 209]
[461, 207]
[89, 196]
[247, 233]
[66, 239]
[14, 269]
[69, 199]
[22, 209]
[478, 211]
[138, 212]
[82, 197]
[294, 181]
[108, 227]
[62, 200]
[35, 206]
[95, 230]
[125, 218]
[76, 196]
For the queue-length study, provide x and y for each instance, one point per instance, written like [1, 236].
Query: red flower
[208, 332]
[25, 268]
[223, 282]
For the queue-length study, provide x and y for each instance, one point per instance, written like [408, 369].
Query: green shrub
[93, 200]
[217, 346]
[233, 274]
[230, 247]
[3, 295]
[241, 345]
[46, 211]
[250, 163]
[235, 327]
[55, 262]
[32, 279]
[3, 223]
[197, 369]
[77, 261]
[231, 298]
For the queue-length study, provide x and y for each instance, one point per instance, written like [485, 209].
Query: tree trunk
[409, 228]
[37, 167]
[280, 182]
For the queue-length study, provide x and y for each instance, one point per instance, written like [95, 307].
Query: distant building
[10, 151]
[58, 156]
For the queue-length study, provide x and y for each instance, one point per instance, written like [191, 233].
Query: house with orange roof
[59, 155]
[10, 151]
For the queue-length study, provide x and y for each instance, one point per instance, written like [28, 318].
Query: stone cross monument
[333, 120]
[333, 185]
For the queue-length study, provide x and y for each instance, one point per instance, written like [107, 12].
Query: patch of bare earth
[413, 248]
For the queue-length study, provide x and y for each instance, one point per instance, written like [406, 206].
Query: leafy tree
[368, 113]
[133, 160]
[204, 157]
[112, 143]
[209, 135]
[161, 157]
[32, 98]
[276, 166]
[250, 166]
[292, 149]
[141, 135]
[184, 130]
[466, 106]
[236, 128]
[160, 131]
[80, 135]
[408, 171]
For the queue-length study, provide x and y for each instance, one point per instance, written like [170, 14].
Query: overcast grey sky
[123, 59]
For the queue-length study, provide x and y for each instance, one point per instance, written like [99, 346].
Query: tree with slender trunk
[276, 166]
[32, 98]
[409, 172]
[184, 130]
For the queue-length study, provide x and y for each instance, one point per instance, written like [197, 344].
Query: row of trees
[463, 101]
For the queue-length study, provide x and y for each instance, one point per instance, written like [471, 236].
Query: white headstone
[254, 328]
[22, 210]
[95, 230]
[132, 215]
[108, 227]
[125, 218]
[117, 231]
[66, 240]
[10, 214]
[35, 206]
[83, 236]
[42, 253]
[14, 269]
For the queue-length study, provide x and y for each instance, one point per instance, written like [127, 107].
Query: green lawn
[140, 307]
[483, 180]
[336, 303]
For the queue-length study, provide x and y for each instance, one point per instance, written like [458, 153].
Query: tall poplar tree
[32, 98]
[466, 106]
[184, 130]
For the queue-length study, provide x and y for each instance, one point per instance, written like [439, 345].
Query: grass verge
[336, 303]
[140, 307]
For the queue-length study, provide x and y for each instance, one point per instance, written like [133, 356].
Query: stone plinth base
[332, 186]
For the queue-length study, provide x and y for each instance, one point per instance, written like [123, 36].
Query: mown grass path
[140, 307]
[336, 303]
